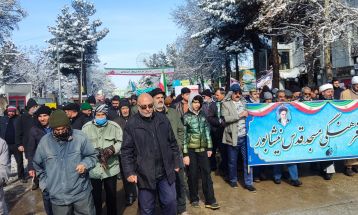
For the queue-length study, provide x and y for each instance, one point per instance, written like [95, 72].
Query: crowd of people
[160, 146]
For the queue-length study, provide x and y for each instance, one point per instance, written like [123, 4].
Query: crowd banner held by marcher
[298, 132]
[248, 79]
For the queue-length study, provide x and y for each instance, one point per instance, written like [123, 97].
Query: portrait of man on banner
[283, 115]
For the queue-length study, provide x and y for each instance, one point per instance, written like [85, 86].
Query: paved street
[316, 196]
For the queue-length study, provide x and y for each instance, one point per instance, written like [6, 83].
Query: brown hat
[59, 118]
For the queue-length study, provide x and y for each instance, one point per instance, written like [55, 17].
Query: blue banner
[302, 132]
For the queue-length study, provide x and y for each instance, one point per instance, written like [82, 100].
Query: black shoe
[327, 176]
[213, 206]
[250, 188]
[349, 172]
[277, 181]
[296, 183]
[233, 185]
[130, 201]
[195, 204]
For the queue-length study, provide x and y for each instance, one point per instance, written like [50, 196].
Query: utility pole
[58, 73]
[327, 46]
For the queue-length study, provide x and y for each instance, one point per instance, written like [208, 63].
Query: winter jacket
[235, 125]
[348, 94]
[216, 121]
[137, 154]
[22, 130]
[337, 93]
[180, 108]
[79, 121]
[55, 163]
[4, 163]
[36, 133]
[113, 113]
[177, 126]
[4, 120]
[196, 130]
[102, 137]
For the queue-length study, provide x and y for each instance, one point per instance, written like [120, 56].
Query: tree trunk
[327, 48]
[228, 72]
[237, 68]
[275, 64]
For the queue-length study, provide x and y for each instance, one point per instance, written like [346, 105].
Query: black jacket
[337, 93]
[137, 154]
[36, 133]
[22, 130]
[3, 125]
[217, 124]
[79, 121]
[112, 113]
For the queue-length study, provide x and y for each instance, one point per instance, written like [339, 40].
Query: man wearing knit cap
[7, 132]
[62, 162]
[106, 137]
[23, 125]
[40, 128]
[77, 118]
[351, 94]
[327, 167]
[130, 189]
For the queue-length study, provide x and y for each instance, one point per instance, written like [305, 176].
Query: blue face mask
[100, 121]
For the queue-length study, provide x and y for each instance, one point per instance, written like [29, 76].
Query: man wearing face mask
[106, 137]
[62, 161]
[178, 129]
[23, 125]
[150, 158]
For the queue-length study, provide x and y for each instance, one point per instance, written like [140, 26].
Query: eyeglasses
[143, 107]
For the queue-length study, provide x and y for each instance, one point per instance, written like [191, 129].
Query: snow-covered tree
[98, 80]
[318, 22]
[74, 44]
[10, 14]
[9, 56]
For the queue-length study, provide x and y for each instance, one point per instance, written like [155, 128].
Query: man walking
[150, 157]
[62, 161]
[178, 129]
[7, 132]
[36, 133]
[77, 118]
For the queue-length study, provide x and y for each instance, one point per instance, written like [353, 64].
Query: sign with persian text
[297, 132]
[139, 71]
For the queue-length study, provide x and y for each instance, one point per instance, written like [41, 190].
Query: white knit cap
[325, 87]
[355, 80]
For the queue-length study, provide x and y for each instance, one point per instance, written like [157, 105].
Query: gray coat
[234, 125]
[55, 163]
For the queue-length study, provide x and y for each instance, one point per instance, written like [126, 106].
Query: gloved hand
[105, 154]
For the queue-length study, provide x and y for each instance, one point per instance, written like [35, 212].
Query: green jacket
[102, 137]
[196, 133]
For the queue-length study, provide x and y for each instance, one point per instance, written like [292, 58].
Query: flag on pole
[133, 86]
[163, 83]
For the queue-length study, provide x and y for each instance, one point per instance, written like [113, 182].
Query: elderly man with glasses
[150, 157]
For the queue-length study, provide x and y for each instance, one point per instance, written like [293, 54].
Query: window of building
[284, 59]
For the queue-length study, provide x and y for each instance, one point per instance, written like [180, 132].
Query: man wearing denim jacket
[62, 161]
